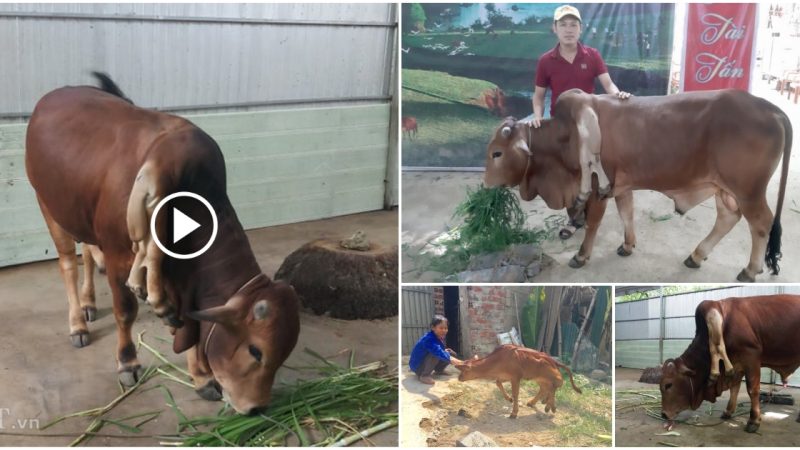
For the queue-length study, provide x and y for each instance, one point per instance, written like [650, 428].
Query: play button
[187, 222]
[181, 225]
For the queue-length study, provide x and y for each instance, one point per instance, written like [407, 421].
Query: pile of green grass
[492, 220]
[346, 405]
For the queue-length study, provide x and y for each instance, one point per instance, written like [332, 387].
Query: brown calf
[514, 363]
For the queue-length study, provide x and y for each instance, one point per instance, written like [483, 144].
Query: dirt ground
[44, 377]
[633, 428]
[664, 239]
[439, 415]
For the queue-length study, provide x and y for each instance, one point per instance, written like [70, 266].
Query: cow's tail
[773, 254]
[108, 85]
[569, 372]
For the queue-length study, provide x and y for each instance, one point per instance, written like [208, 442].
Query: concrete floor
[633, 428]
[42, 376]
[664, 239]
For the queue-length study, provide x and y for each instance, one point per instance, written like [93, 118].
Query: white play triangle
[182, 225]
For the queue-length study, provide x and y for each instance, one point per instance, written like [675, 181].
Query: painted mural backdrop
[467, 65]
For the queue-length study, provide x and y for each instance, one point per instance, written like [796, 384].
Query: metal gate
[417, 310]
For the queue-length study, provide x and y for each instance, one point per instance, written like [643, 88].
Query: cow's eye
[255, 352]
[669, 385]
[497, 154]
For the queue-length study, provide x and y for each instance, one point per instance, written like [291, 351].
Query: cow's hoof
[79, 339]
[575, 264]
[212, 391]
[751, 427]
[131, 375]
[725, 416]
[101, 270]
[744, 277]
[605, 192]
[622, 252]
[90, 313]
[139, 291]
[689, 262]
[512, 416]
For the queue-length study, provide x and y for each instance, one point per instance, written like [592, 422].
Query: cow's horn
[506, 131]
[260, 310]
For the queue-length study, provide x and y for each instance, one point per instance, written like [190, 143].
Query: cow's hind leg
[87, 297]
[728, 214]
[759, 218]
[502, 390]
[125, 310]
[716, 345]
[625, 208]
[736, 383]
[594, 215]
[68, 266]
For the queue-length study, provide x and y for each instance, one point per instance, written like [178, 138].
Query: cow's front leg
[753, 378]
[736, 384]
[514, 398]
[502, 390]
[594, 215]
[125, 310]
[625, 208]
[205, 384]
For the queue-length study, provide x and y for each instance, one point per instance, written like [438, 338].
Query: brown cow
[84, 149]
[687, 146]
[410, 126]
[514, 363]
[757, 331]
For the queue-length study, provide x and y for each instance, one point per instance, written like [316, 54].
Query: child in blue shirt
[430, 354]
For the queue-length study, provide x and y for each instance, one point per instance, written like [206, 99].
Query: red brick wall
[438, 300]
[490, 310]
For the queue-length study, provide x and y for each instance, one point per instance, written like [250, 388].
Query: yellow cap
[566, 10]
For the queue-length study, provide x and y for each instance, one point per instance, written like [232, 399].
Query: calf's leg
[68, 266]
[716, 344]
[502, 390]
[514, 398]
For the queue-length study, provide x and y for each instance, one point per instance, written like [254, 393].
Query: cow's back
[769, 324]
[83, 150]
[700, 135]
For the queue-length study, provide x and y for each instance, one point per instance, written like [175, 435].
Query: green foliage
[492, 220]
[666, 290]
[417, 16]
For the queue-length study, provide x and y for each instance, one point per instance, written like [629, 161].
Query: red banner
[719, 46]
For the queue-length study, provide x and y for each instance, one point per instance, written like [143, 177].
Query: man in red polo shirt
[569, 65]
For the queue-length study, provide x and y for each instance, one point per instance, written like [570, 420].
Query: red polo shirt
[558, 74]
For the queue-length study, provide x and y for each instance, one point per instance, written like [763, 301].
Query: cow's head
[467, 369]
[677, 385]
[537, 160]
[253, 333]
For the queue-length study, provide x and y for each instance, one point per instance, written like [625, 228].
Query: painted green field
[451, 131]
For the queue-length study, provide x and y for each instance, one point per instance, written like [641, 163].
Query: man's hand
[622, 95]
[536, 122]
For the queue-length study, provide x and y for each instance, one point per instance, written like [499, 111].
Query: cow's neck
[698, 358]
[227, 265]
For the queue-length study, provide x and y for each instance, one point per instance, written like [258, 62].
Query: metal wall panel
[185, 65]
[418, 309]
[637, 325]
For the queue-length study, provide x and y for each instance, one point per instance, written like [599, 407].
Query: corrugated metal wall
[638, 325]
[297, 95]
[418, 309]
